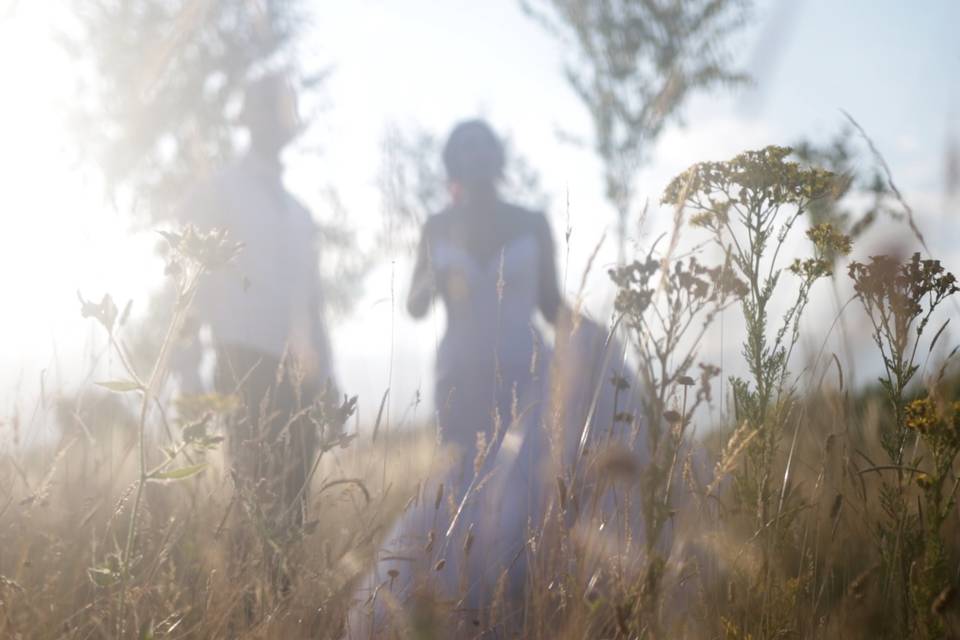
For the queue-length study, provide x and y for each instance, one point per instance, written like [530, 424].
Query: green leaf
[179, 474]
[119, 386]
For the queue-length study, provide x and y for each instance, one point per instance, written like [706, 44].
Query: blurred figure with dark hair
[265, 312]
[492, 265]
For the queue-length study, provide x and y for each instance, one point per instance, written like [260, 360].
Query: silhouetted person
[492, 265]
[265, 312]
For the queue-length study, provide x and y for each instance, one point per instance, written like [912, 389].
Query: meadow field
[751, 398]
[813, 510]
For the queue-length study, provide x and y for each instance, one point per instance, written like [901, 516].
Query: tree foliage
[160, 91]
[160, 83]
[636, 63]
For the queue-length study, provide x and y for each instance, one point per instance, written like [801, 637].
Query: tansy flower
[921, 415]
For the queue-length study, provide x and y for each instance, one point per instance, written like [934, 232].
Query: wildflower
[811, 268]
[634, 292]
[716, 216]
[887, 286]
[955, 416]
[702, 219]
[751, 178]
[828, 240]
[921, 415]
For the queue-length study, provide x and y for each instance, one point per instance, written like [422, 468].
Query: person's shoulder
[532, 219]
[439, 222]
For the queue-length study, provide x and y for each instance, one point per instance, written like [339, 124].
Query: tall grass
[812, 509]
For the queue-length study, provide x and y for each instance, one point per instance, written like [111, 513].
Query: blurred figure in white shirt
[265, 312]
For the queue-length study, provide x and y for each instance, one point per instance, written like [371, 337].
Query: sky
[892, 65]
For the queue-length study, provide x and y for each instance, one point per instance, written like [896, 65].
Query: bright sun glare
[60, 234]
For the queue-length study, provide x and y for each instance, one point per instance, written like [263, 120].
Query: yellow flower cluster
[924, 481]
[922, 415]
[752, 178]
[829, 240]
[811, 268]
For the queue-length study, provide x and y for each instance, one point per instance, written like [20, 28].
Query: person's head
[270, 114]
[474, 157]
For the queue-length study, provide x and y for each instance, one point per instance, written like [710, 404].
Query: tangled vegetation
[811, 510]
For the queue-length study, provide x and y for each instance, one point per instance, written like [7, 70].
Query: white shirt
[268, 299]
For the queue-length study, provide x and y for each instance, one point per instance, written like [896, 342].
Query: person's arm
[423, 285]
[550, 299]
